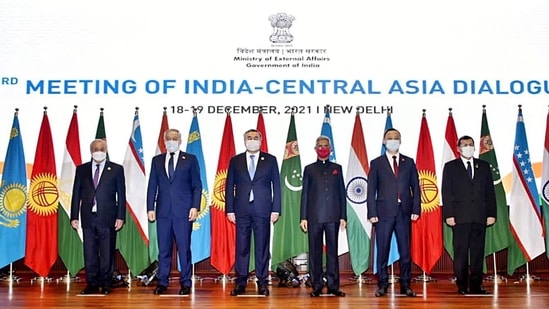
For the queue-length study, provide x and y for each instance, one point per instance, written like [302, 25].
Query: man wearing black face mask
[469, 201]
[323, 213]
[253, 203]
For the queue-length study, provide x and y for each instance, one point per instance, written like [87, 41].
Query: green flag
[289, 240]
[498, 236]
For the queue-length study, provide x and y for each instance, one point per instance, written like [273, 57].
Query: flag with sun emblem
[426, 246]
[201, 236]
[41, 247]
[13, 199]
[223, 231]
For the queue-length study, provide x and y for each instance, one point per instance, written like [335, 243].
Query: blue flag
[393, 251]
[13, 200]
[326, 130]
[200, 237]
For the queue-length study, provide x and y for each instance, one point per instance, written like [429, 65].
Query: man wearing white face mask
[393, 201]
[173, 199]
[99, 197]
[469, 207]
[252, 202]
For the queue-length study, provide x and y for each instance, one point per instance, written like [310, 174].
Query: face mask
[253, 145]
[467, 151]
[99, 156]
[172, 146]
[392, 145]
[323, 152]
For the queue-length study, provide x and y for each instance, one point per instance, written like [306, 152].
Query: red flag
[161, 146]
[41, 247]
[261, 129]
[223, 231]
[449, 153]
[426, 247]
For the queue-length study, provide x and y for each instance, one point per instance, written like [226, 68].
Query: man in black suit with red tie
[393, 203]
[99, 197]
[469, 201]
[323, 213]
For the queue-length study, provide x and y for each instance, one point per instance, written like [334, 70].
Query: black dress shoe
[185, 290]
[107, 290]
[380, 292]
[480, 291]
[462, 291]
[316, 293]
[239, 290]
[90, 290]
[160, 290]
[263, 290]
[408, 292]
[337, 293]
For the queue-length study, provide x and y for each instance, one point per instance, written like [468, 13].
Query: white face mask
[172, 146]
[99, 156]
[253, 145]
[467, 151]
[392, 145]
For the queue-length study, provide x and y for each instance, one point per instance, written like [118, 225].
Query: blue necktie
[469, 170]
[171, 167]
[251, 171]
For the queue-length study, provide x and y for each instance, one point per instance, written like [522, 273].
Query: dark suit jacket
[110, 195]
[174, 198]
[266, 186]
[323, 194]
[384, 188]
[464, 199]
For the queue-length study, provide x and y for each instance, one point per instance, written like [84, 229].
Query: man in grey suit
[99, 198]
[469, 201]
[173, 200]
[393, 203]
[323, 213]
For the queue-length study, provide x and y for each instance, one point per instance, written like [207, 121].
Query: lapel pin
[108, 168]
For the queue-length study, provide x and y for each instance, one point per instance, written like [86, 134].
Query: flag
[449, 153]
[288, 239]
[160, 148]
[426, 247]
[71, 249]
[100, 132]
[359, 229]
[545, 185]
[13, 199]
[498, 236]
[223, 231]
[524, 211]
[41, 246]
[133, 238]
[200, 237]
[261, 129]
[394, 255]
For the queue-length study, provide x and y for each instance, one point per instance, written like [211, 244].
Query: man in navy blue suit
[323, 213]
[175, 189]
[252, 202]
[469, 201]
[393, 202]
[99, 197]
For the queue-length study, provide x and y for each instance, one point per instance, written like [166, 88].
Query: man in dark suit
[469, 201]
[323, 213]
[393, 202]
[175, 189]
[252, 202]
[99, 198]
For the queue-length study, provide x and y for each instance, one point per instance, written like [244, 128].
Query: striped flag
[71, 248]
[43, 200]
[223, 231]
[133, 239]
[426, 246]
[394, 255]
[524, 211]
[13, 199]
[449, 153]
[359, 229]
[545, 184]
[201, 235]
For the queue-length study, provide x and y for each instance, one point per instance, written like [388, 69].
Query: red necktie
[395, 166]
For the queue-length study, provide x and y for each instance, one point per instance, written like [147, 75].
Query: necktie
[469, 170]
[171, 167]
[96, 176]
[251, 171]
[395, 166]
